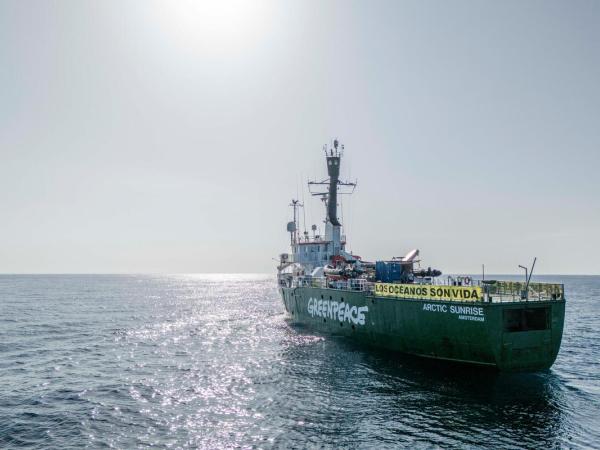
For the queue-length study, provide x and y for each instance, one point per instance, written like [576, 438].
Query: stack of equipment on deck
[388, 271]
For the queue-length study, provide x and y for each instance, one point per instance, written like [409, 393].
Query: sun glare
[214, 25]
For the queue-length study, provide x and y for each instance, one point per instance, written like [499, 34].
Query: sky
[170, 137]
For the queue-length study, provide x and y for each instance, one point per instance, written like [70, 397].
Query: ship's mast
[333, 170]
[333, 156]
[292, 227]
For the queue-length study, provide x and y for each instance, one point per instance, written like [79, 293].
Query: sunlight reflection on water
[209, 361]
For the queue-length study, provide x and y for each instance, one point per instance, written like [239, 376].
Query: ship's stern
[528, 334]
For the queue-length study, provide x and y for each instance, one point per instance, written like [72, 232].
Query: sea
[210, 361]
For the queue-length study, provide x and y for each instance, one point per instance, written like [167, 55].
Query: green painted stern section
[509, 336]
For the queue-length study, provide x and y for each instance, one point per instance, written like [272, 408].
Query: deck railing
[352, 284]
[512, 291]
[493, 290]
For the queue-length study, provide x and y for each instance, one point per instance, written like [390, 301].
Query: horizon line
[267, 273]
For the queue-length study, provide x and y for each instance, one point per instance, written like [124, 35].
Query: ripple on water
[209, 361]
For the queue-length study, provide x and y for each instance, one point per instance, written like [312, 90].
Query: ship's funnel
[333, 169]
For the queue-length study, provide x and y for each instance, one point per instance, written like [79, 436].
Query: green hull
[512, 336]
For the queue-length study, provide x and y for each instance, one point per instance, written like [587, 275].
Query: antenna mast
[292, 227]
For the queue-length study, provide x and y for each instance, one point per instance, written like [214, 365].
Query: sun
[212, 25]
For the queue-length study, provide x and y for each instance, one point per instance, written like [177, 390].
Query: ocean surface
[209, 361]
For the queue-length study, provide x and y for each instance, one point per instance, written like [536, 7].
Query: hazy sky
[171, 136]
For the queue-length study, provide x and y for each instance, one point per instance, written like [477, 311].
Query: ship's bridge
[314, 251]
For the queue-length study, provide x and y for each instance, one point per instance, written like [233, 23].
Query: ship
[400, 305]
